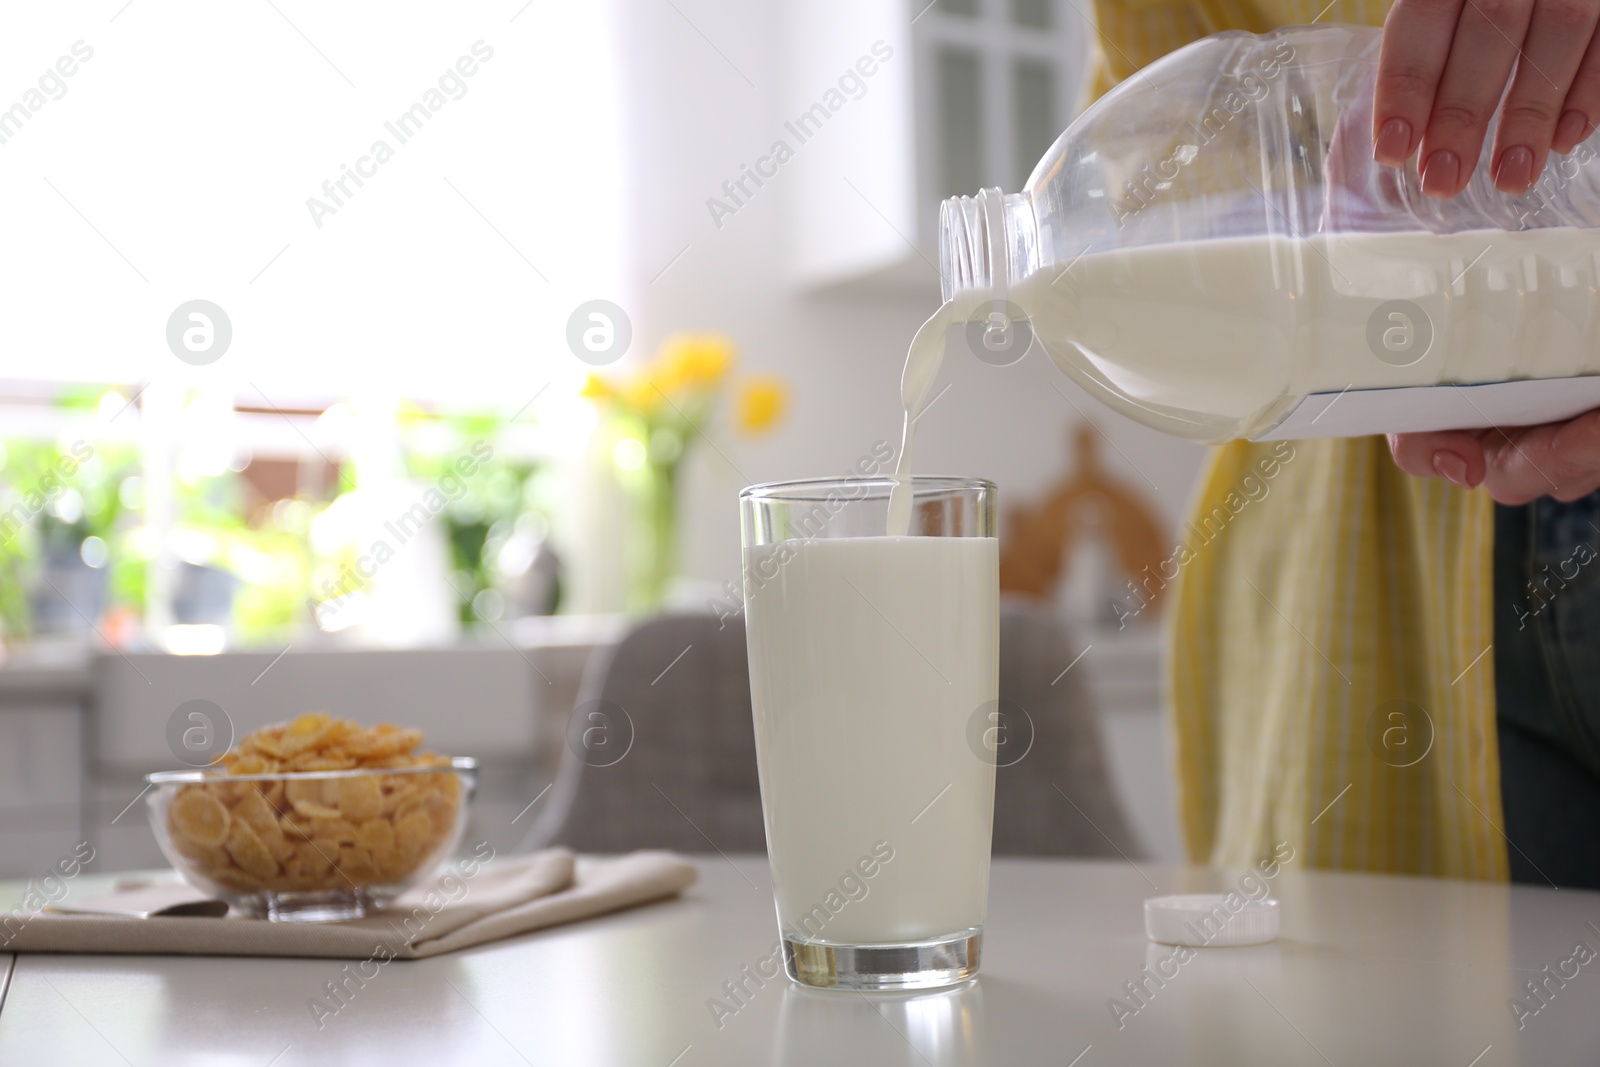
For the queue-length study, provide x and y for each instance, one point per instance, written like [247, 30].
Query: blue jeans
[1547, 687]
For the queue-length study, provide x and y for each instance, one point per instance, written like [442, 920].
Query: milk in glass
[868, 658]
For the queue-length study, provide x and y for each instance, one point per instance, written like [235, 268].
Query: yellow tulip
[695, 360]
[641, 395]
[761, 403]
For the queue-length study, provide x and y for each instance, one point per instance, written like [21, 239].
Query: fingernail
[1392, 146]
[1451, 467]
[1514, 172]
[1570, 130]
[1440, 172]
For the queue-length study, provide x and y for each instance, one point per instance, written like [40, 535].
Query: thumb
[1454, 455]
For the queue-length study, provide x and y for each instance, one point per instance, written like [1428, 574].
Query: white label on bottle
[1358, 412]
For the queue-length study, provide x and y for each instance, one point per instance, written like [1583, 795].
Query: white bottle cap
[1206, 920]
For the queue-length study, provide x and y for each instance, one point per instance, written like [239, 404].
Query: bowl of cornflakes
[314, 820]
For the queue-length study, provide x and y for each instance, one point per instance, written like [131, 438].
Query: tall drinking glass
[873, 668]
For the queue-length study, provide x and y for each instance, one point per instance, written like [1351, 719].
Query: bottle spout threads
[986, 242]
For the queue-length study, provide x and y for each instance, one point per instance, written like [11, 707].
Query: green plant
[484, 510]
[59, 499]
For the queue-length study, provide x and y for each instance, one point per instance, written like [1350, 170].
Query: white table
[1369, 970]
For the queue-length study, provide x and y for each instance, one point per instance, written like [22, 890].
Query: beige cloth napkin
[505, 898]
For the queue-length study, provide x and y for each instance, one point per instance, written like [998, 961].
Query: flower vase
[653, 548]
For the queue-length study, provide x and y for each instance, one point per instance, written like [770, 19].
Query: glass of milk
[873, 672]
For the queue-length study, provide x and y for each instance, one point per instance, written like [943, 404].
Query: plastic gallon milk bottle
[1211, 250]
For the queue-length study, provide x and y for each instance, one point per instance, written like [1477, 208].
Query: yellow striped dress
[1351, 602]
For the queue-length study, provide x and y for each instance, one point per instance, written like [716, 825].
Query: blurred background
[393, 360]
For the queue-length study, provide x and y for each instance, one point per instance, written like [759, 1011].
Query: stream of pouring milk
[923, 361]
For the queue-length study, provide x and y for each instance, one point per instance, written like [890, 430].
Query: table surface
[1368, 970]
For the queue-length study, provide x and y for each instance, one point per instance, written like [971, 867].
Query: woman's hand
[1444, 65]
[1514, 465]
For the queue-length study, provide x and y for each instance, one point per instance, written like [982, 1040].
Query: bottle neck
[987, 242]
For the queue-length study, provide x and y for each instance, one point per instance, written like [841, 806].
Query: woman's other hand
[1514, 465]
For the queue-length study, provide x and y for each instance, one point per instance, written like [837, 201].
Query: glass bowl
[311, 846]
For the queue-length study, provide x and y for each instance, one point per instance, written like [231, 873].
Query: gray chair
[661, 749]
[1057, 799]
